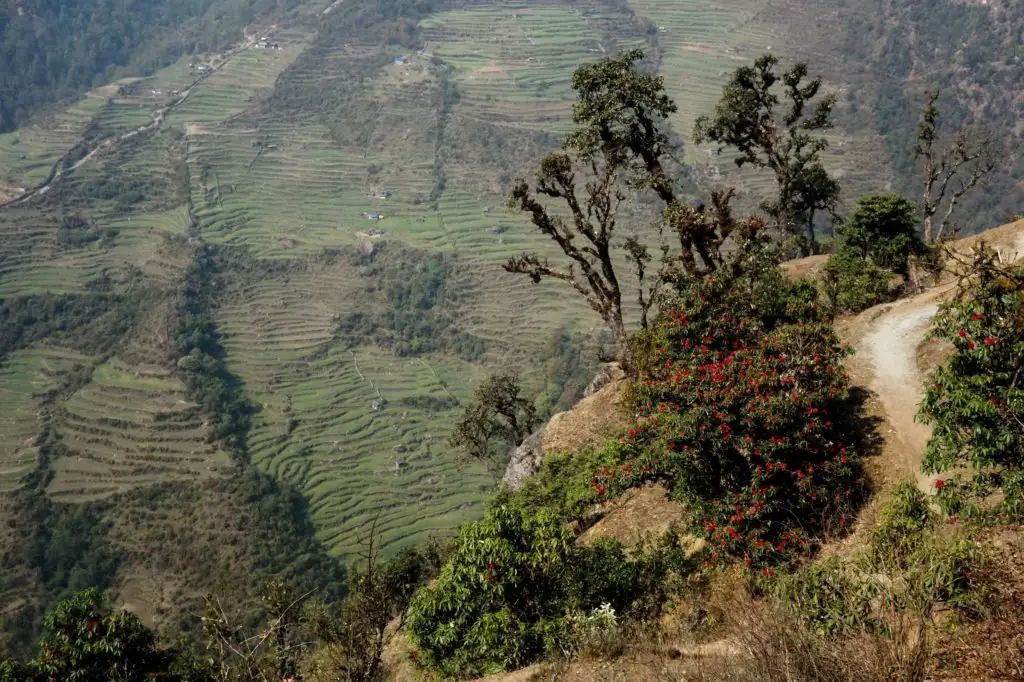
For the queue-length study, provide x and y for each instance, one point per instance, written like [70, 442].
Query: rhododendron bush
[738, 416]
[975, 401]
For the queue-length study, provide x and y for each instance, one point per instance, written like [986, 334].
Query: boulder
[526, 460]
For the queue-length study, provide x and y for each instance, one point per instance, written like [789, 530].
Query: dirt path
[890, 346]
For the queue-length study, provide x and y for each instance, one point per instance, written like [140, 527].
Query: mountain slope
[358, 341]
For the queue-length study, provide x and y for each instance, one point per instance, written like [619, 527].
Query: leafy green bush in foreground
[518, 587]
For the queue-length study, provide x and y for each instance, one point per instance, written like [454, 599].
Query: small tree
[86, 641]
[498, 417]
[747, 118]
[352, 636]
[975, 401]
[619, 142]
[968, 160]
[883, 228]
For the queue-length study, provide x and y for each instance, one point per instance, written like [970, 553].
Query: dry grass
[775, 648]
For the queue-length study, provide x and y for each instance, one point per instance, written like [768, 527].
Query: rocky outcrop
[593, 419]
[526, 460]
[609, 373]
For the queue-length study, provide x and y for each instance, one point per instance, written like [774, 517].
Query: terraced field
[131, 426]
[28, 154]
[23, 378]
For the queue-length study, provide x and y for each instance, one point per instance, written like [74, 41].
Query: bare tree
[352, 636]
[619, 142]
[967, 161]
[270, 655]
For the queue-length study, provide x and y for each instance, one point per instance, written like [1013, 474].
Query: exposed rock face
[609, 373]
[588, 423]
[526, 460]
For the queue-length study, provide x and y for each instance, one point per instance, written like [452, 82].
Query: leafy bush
[975, 401]
[831, 597]
[739, 417]
[854, 284]
[911, 565]
[87, 641]
[900, 527]
[883, 229]
[514, 587]
[563, 484]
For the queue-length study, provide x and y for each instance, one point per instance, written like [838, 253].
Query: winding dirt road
[61, 167]
[886, 340]
[890, 346]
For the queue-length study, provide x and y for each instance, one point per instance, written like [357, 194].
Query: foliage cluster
[877, 242]
[497, 419]
[410, 299]
[741, 406]
[27, 319]
[517, 583]
[564, 485]
[975, 401]
[201, 357]
[86, 641]
[912, 564]
[294, 636]
[75, 233]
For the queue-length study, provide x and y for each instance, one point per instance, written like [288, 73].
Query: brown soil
[589, 423]
[646, 511]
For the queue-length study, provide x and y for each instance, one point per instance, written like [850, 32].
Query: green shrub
[975, 401]
[831, 597]
[912, 564]
[854, 284]
[563, 484]
[515, 587]
[901, 526]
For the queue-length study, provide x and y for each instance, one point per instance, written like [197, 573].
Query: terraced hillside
[357, 340]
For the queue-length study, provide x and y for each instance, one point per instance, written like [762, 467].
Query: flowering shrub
[738, 418]
[975, 401]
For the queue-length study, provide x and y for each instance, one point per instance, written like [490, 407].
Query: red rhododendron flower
[990, 341]
[939, 483]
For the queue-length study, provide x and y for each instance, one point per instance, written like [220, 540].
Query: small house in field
[400, 60]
